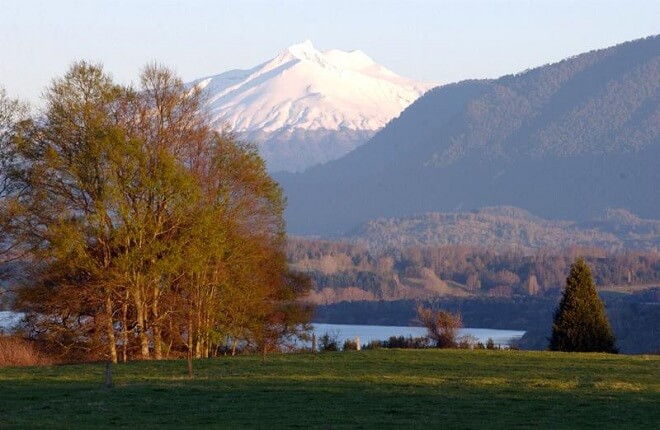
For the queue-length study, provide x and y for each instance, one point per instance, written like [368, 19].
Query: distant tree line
[338, 269]
[141, 231]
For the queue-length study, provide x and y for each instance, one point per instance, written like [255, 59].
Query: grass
[357, 390]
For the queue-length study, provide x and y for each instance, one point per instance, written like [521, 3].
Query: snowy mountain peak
[303, 50]
[304, 90]
[353, 60]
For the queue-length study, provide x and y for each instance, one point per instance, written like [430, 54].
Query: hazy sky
[433, 40]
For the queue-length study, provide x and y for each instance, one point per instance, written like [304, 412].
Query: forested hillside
[509, 228]
[564, 141]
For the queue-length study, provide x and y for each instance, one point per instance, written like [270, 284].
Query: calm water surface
[342, 332]
[367, 333]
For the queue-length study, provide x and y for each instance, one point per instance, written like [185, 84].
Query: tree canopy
[149, 231]
[580, 323]
[12, 112]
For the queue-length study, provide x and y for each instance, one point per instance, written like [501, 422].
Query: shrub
[395, 342]
[16, 351]
[406, 342]
[329, 342]
[374, 344]
[349, 345]
[442, 326]
[468, 341]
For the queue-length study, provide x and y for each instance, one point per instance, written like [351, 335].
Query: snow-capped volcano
[306, 107]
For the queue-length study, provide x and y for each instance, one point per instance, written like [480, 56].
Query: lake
[8, 320]
[367, 333]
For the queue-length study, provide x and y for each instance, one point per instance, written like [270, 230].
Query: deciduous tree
[153, 231]
[442, 326]
[12, 112]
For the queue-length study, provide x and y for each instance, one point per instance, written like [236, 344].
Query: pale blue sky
[433, 40]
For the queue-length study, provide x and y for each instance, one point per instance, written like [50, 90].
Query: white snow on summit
[303, 89]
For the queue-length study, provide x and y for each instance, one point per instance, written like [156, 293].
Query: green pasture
[456, 389]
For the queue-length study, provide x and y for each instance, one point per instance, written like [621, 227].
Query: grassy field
[367, 389]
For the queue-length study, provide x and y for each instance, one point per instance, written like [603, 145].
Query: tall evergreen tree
[580, 323]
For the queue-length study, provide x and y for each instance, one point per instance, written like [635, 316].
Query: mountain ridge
[567, 140]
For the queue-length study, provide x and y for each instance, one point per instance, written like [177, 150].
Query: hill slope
[506, 228]
[563, 141]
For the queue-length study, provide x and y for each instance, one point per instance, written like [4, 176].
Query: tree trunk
[124, 332]
[207, 336]
[142, 330]
[190, 364]
[190, 347]
[158, 343]
[200, 330]
[108, 375]
[110, 330]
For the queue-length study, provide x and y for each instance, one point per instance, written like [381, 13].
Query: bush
[16, 351]
[442, 326]
[349, 345]
[406, 342]
[468, 341]
[329, 342]
[374, 344]
[395, 342]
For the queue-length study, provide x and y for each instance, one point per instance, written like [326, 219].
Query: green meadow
[466, 389]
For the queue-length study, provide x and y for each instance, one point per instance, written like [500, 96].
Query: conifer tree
[580, 323]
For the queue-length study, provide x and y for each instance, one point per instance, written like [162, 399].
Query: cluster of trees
[141, 230]
[342, 270]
